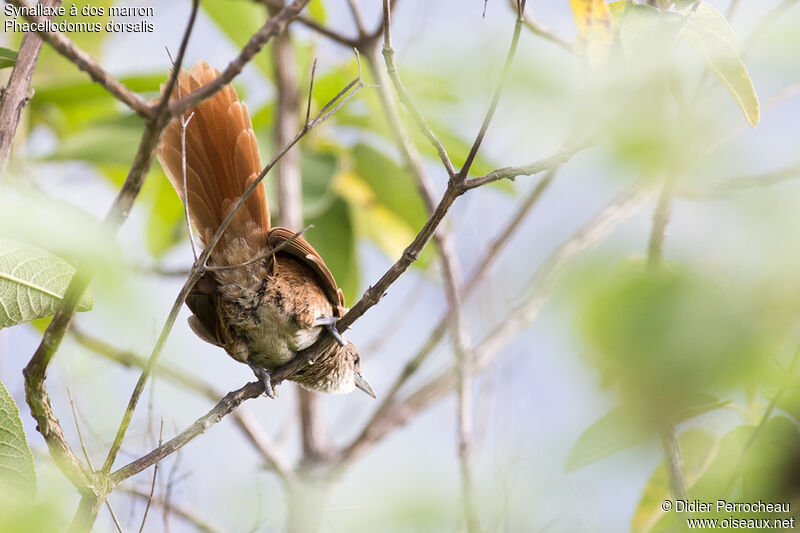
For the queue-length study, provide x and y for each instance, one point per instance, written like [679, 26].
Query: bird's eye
[356, 360]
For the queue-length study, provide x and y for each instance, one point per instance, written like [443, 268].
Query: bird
[269, 293]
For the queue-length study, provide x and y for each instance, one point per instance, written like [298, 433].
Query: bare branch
[153, 483]
[313, 25]
[512, 50]
[189, 516]
[17, 91]
[543, 31]
[510, 173]
[419, 119]
[64, 46]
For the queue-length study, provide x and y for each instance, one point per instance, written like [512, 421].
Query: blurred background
[567, 413]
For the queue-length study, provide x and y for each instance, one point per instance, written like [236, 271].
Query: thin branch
[224, 407]
[512, 50]
[184, 122]
[64, 46]
[419, 119]
[661, 216]
[153, 483]
[450, 267]
[270, 29]
[540, 29]
[357, 18]
[187, 515]
[510, 173]
[655, 252]
[315, 26]
[17, 92]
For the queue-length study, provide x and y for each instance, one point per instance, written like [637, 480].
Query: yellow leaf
[593, 20]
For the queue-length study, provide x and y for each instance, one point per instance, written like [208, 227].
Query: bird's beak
[362, 384]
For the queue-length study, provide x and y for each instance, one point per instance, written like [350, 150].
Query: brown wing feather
[222, 158]
[300, 248]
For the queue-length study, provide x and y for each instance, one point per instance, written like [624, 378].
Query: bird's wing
[300, 248]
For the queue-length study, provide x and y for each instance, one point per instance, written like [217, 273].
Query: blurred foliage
[17, 473]
[663, 337]
[625, 426]
[7, 57]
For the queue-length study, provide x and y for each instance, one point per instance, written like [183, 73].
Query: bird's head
[337, 370]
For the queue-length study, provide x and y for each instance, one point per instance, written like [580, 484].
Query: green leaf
[334, 238]
[32, 283]
[16, 461]
[623, 427]
[107, 144]
[712, 38]
[393, 186]
[166, 224]
[318, 170]
[7, 57]
[614, 432]
[698, 448]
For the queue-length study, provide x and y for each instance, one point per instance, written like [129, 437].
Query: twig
[189, 516]
[224, 407]
[17, 91]
[661, 216]
[391, 68]
[449, 260]
[510, 173]
[362, 28]
[655, 251]
[64, 46]
[184, 122]
[270, 29]
[153, 483]
[313, 25]
[512, 50]
[543, 31]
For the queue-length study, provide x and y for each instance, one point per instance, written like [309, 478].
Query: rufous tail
[222, 160]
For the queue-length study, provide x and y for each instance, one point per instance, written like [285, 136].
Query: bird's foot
[330, 324]
[263, 375]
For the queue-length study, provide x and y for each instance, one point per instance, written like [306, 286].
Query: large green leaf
[613, 432]
[7, 57]
[334, 238]
[713, 39]
[100, 145]
[623, 427]
[317, 170]
[16, 462]
[32, 283]
[393, 187]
